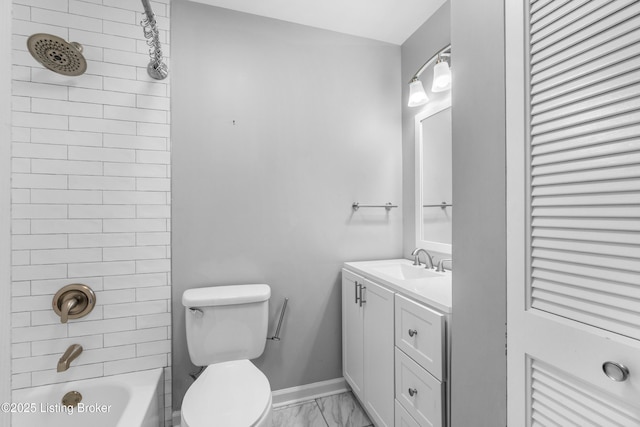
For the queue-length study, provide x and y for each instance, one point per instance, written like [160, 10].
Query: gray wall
[432, 36]
[268, 199]
[479, 232]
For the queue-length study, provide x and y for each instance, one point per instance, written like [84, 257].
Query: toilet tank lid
[225, 295]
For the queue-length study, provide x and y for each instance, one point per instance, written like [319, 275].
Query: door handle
[362, 300]
[413, 332]
[356, 289]
[615, 371]
[413, 392]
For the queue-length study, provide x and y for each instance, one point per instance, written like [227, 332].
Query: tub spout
[71, 354]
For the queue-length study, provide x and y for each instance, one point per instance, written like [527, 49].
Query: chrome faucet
[71, 354]
[416, 258]
[440, 267]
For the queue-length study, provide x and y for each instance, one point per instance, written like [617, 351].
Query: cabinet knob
[412, 332]
[413, 392]
[615, 371]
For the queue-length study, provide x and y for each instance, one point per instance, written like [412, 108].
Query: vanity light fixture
[417, 95]
[441, 78]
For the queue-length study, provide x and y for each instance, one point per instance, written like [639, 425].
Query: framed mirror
[434, 177]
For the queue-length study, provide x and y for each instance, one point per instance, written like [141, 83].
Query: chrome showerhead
[57, 55]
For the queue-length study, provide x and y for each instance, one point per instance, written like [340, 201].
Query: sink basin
[406, 271]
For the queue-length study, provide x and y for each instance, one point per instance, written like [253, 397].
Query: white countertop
[433, 291]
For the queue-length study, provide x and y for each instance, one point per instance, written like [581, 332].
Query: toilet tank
[226, 323]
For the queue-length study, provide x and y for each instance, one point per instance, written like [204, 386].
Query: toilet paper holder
[276, 337]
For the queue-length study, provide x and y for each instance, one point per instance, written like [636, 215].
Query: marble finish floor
[338, 410]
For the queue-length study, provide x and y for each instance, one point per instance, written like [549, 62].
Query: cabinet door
[352, 333]
[378, 353]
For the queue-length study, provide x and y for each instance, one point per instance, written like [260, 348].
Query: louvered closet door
[573, 74]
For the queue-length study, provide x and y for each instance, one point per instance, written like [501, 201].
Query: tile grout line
[321, 412]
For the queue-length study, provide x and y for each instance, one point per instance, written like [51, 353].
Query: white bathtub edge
[140, 383]
[142, 388]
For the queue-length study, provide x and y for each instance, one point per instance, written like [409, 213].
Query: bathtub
[126, 400]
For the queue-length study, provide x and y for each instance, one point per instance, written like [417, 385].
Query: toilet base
[264, 421]
[228, 394]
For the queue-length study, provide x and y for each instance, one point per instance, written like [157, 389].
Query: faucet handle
[440, 268]
[69, 302]
[416, 257]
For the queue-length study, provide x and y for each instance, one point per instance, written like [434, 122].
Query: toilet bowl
[229, 394]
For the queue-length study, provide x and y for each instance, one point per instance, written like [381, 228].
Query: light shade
[417, 95]
[441, 77]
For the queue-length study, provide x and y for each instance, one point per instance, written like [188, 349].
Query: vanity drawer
[420, 332]
[418, 391]
[403, 418]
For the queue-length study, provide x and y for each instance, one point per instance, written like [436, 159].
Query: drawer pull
[615, 371]
[413, 392]
[412, 332]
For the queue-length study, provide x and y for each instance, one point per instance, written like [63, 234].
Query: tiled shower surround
[90, 194]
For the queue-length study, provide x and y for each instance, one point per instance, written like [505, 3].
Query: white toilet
[226, 326]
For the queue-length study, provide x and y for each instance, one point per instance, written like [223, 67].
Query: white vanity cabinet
[352, 333]
[367, 345]
[395, 350]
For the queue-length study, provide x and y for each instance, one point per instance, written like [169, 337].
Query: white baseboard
[293, 395]
[302, 393]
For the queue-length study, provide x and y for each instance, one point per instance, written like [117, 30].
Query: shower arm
[157, 69]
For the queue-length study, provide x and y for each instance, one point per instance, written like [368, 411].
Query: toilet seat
[229, 394]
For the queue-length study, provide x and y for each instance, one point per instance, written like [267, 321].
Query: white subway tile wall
[90, 199]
